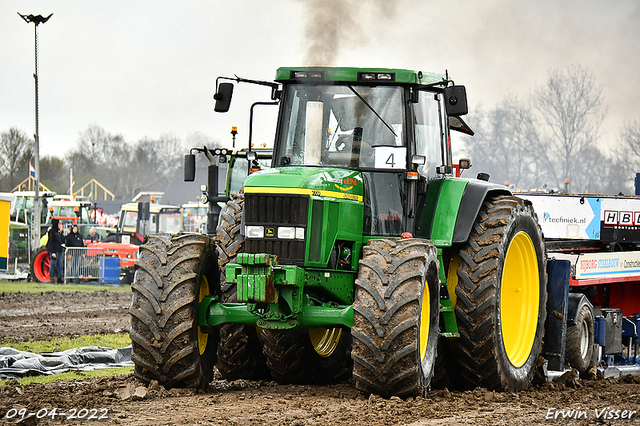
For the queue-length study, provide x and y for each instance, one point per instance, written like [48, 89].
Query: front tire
[173, 274]
[501, 296]
[396, 316]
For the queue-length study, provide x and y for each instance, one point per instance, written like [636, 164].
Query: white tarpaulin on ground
[15, 363]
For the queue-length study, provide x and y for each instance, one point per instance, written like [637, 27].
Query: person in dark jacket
[74, 257]
[74, 238]
[55, 248]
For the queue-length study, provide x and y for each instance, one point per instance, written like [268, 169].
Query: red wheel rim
[41, 265]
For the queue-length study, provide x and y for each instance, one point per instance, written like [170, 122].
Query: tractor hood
[323, 182]
[325, 206]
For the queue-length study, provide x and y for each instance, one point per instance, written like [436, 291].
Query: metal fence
[84, 263]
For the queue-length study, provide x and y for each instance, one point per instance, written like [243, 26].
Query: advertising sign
[575, 217]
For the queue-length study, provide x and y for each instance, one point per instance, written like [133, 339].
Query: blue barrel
[111, 270]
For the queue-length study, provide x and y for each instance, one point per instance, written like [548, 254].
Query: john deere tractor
[359, 253]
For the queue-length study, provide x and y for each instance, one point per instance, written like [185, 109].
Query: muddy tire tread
[385, 331]
[478, 295]
[164, 312]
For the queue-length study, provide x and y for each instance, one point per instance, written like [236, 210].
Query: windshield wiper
[371, 108]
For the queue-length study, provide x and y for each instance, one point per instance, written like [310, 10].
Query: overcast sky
[147, 68]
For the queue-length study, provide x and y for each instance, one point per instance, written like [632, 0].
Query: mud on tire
[396, 317]
[580, 340]
[292, 357]
[501, 296]
[173, 273]
[240, 350]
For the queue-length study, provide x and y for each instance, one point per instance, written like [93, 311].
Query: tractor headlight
[299, 233]
[286, 232]
[254, 231]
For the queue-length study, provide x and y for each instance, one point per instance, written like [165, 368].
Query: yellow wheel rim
[202, 337]
[425, 319]
[325, 340]
[519, 299]
[452, 279]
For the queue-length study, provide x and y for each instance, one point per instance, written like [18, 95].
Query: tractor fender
[576, 302]
[474, 195]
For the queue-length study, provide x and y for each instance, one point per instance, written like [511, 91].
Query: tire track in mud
[41, 316]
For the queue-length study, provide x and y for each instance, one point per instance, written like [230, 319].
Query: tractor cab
[22, 209]
[71, 212]
[142, 219]
[388, 125]
[194, 217]
[242, 163]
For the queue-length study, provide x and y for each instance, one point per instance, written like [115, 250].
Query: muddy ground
[123, 400]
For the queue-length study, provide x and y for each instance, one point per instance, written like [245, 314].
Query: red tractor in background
[79, 213]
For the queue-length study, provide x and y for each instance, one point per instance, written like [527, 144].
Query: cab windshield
[351, 126]
[240, 171]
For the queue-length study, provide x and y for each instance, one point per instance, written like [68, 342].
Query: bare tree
[549, 137]
[15, 151]
[571, 109]
[500, 146]
[170, 153]
[103, 156]
[54, 173]
[627, 154]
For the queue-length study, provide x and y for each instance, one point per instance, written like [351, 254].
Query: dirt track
[125, 401]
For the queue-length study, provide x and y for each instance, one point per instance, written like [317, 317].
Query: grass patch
[33, 287]
[70, 375]
[58, 344]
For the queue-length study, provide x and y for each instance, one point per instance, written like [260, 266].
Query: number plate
[390, 157]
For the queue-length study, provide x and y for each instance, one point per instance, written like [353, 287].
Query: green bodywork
[275, 296]
[440, 212]
[312, 294]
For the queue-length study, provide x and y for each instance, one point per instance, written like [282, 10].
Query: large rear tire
[501, 296]
[240, 350]
[40, 263]
[173, 274]
[396, 317]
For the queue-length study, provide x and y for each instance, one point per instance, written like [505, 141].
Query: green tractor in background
[359, 253]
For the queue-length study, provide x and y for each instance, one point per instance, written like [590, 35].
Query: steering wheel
[345, 143]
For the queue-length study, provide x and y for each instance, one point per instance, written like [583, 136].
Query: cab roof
[360, 75]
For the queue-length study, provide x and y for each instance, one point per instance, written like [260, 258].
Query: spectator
[93, 235]
[74, 239]
[55, 248]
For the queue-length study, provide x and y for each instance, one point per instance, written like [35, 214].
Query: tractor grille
[273, 211]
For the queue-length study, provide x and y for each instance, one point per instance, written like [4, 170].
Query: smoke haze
[334, 26]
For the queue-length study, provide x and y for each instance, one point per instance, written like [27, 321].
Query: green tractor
[361, 253]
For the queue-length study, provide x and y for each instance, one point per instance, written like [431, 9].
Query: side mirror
[455, 100]
[189, 167]
[223, 97]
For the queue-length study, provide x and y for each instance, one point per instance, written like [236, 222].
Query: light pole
[37, 206]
